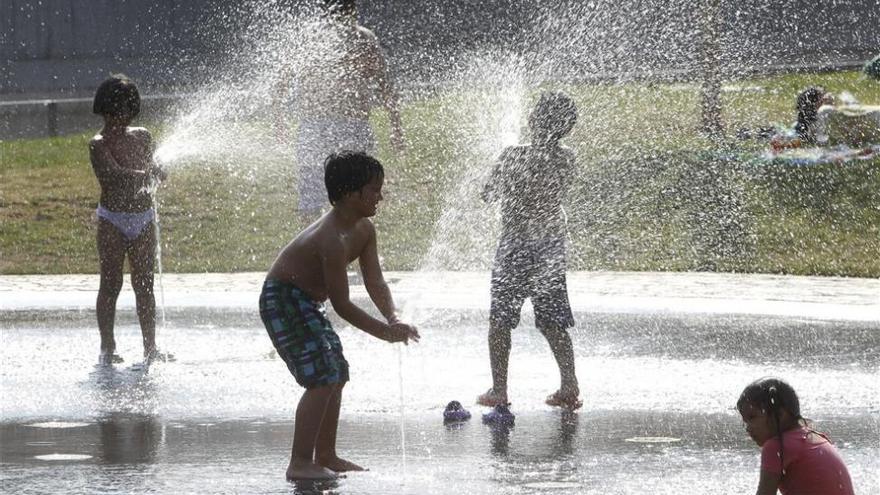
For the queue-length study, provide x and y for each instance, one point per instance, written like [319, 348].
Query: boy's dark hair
[117, 95]
[808, 111]
[554, 116]
[339, 7]
[771, 396]
[349, 171]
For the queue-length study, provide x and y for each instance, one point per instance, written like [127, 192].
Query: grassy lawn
[652, 194]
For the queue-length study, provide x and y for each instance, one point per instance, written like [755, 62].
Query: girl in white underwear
[122, 159]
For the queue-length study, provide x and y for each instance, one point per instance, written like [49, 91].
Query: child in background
[122, 159]
[531, 182]
[343, 78]
[307, 272]
[808, 103]
[795, 459]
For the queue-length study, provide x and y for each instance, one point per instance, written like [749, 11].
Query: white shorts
[315, 140]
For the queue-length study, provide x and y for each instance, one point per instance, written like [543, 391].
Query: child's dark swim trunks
[302, 335]
[530, 269]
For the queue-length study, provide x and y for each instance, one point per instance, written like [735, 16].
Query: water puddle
[62, 457]
[653, 440]
[552, 485]
[58, 424]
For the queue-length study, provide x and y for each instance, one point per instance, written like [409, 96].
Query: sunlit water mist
[492, 117]
[494, 98]
[241, 114]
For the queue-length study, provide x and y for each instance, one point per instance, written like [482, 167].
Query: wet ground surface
[661, 359]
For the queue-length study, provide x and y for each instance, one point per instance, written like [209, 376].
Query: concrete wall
[65, 47]
[55, 49]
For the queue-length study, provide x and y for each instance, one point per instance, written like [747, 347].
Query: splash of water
[238, 114]
[402, 409]
[492, 91]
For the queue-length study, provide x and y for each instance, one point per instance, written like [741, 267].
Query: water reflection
[566, 435]
[557, 443]
[131, 390]
[130, 439]
[326, 487]
[500, 443]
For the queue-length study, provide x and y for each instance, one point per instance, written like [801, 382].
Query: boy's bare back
[322, 245]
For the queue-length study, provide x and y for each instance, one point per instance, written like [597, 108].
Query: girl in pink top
[795, 459]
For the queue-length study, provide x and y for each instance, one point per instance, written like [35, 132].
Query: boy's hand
[402, 332]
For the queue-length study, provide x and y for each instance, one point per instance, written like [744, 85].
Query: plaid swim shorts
[302, 335]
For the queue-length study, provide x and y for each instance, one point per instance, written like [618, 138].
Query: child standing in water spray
[122, 159]
[795, 459]
[531, 182]
[342, 78]
[307, 272]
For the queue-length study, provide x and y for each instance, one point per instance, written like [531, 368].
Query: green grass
[651, 194]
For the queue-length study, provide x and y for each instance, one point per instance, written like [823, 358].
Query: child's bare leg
[141, 258]
[309, 417]
[325, 446]
[499, 355]
[111, 254]
[563, 352]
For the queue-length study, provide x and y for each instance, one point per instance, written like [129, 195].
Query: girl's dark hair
[808, 110]
[349, 171]
[117, 95]
[554, 115]
[772, 396]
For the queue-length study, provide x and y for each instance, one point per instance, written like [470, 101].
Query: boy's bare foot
[492, 398]
[108, 358]
[309, 471]
[157, 355]
[338, 464]
[565, 400]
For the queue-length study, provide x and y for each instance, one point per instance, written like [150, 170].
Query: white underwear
[129, 224]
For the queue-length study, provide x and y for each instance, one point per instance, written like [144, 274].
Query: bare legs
[313, 455]
[499, 356]
[308, 425]
[563, 352]
[111, 255]
[141, 258]
[325, 446]
[112, 249]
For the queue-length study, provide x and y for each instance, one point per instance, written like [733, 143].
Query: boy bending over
[307, 272]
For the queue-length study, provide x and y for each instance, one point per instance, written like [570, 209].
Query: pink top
[812, 464]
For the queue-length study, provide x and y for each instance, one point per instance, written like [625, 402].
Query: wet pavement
[814, 297]
[661, 358]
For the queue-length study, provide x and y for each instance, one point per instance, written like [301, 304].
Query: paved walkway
[810, 297]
